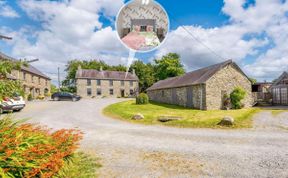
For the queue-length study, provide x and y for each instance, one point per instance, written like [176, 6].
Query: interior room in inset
[142, 27]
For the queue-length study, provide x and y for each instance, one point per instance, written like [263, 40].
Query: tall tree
[145, 73]
[168, 66]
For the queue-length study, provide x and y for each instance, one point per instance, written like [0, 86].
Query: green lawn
[191, 118]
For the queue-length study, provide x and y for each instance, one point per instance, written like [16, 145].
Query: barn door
[174, 96]
[189, 97]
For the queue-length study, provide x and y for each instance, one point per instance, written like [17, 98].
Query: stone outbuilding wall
[224, 82]
[179, 96]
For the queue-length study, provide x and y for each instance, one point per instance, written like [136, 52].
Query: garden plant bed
[189, 117]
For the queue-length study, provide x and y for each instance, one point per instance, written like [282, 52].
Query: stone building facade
[204, 88]
[34, 82]
[99, 84]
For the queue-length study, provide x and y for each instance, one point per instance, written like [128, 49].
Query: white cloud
[7, 11]
[70, 30]
[268, 17]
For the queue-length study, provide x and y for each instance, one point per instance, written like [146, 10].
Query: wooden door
[189, 97]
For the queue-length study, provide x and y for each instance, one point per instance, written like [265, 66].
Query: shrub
[48, 94]
[142, 99]
[237, 95]
[9, 87]
[40, 97]
[29, 97]
[28, 150]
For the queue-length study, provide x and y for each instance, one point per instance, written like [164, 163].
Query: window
[131, 83]
[46, 82]
[111, 83]
[24, 76]
[99, 92]
[89, 92]
[32, 79]
[98, 82]
[131, 92]
[111, 91]
[88, 82]
[163, 93]
[39, 80]
[122, 83]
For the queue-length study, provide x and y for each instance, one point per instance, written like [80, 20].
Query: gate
[280, 95]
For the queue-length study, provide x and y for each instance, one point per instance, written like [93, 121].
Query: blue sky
[245, 31]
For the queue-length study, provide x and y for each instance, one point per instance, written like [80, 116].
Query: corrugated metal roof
[108, 75]
[279, 79]
[199, 76]
[29, 68]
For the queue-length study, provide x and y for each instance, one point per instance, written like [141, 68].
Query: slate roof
[29, 68]
[199, 76]
[105, 75]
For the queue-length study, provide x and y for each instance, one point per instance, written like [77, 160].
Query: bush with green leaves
[237, 95]
[142, 99]
[30, 97]
[9, 87]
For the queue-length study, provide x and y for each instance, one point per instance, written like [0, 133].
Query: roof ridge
[191, 78]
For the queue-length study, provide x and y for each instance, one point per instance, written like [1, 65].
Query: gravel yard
[129, 150]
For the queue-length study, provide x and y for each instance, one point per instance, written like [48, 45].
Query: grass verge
[191, 118]
[79, 165]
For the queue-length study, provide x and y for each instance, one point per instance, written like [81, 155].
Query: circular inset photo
[142, 25]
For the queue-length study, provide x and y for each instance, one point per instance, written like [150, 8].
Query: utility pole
[59, 84]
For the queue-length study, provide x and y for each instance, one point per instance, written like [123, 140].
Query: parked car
[15, 103]
[64, 96]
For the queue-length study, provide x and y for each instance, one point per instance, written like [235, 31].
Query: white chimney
[133, 72]
[101, 71]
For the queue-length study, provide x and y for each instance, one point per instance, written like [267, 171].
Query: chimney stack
[101, 71]
[133, 72]
[79, 68]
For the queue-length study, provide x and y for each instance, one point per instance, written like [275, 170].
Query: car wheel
[56, 99]
[74, 99]
[1, 111]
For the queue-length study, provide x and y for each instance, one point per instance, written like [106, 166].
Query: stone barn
[203, 88]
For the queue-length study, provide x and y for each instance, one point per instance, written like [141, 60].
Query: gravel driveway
[128, 150]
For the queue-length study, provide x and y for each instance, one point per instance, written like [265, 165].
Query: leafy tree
[53, 88]
[253, 80]
[145, 73]
[9, 87]
[168, 66]
[237, 95]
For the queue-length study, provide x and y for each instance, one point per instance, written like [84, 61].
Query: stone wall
[105, 88]
[225, 81]
[178, 96]
[34, 84]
